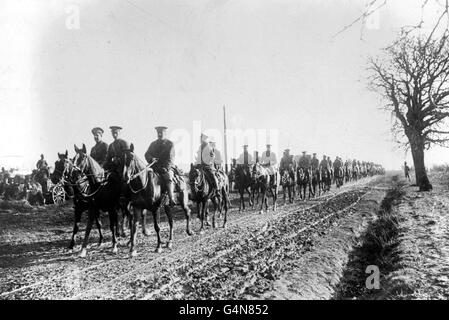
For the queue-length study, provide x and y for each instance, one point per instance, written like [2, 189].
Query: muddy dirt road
[241, 261]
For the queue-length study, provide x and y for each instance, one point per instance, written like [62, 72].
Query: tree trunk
[422, 181]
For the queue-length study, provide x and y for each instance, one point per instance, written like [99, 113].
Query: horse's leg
[241, 200]
[145, 230]
[113, 225]
[202, 213]
[216, 203]
[99, 227]
[170, 224]
[263, 201]
[185, 207]
[77, 218]
[90, 222]
[134, 219]
[225, 205]
[158, 230]
[251, 200]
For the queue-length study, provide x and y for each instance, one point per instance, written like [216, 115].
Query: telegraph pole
[225, 140]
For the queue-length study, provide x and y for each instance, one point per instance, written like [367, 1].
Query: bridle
[136, 175]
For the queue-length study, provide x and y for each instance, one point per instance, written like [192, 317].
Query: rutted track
[202, 266]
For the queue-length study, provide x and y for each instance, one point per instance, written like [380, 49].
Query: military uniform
[269, 161]
[287, 163]
[315, 163]
[218, 161]
[337, 164]
[205, 158]
[115, 154]
[99, 152]
[304, 162]
[245, 159]
[164, 151]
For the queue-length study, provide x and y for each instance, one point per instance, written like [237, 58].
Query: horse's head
[195, 177]
[256, 171]
[81, 158]
[63, 156]
[130, 163]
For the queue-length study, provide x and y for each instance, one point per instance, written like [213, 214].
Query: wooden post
[225, 140]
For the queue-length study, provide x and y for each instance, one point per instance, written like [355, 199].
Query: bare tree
[412, 77]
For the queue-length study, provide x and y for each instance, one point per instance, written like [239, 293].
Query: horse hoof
[190, 232]
[146, 233]
[158, 250]
[114, 250]
[224, 226]
[133, 253]
[83, 253]
[128, 243]
[169, 245]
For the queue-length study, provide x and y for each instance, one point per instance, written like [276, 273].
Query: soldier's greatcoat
[269, 160]
[164, 151]
[99, 152]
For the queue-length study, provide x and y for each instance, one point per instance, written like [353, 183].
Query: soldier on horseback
[245, 158]
[116, 151]
[42, 164]
[205, 158]
[100, 150]
[315, 163]
[163, 151]
[218, 161]
[287, 164]
[43, 173]
[269, 161]
[304, 161]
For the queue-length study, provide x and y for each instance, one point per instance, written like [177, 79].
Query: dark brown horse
[339, 176]
[316, 182]
[201, 191]
[145, 192]
[102, 193]
[303, 181]
[288, 183]
[243, 183]
[261, 180]
[80, 186]
[326, 179]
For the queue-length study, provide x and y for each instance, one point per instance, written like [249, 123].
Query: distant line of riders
[111, 178]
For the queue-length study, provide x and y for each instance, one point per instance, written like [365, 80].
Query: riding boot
[171, 192]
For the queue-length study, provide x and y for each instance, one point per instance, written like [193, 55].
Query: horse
[303, 181]
[243, 183]
[316, 181]
[347, 174]
[355, 172]
[102, 192]
[80, 187]
[202, 191]
[288, 183]
[338, 176]
[326, 179]
[144, 192]
[261, 179]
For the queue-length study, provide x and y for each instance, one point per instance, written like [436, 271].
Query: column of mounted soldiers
[161, 153]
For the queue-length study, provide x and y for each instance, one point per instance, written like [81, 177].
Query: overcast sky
[139, 64]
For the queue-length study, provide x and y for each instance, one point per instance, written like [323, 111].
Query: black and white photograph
[224, 150]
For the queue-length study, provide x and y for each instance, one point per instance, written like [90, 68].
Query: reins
[136, 175]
